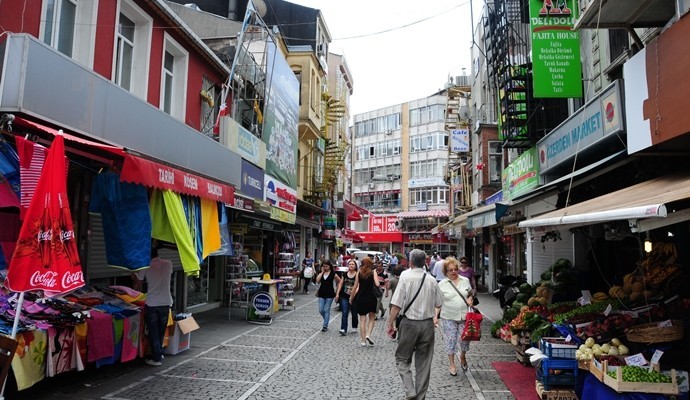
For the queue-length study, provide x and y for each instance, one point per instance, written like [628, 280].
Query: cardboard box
[182, 338]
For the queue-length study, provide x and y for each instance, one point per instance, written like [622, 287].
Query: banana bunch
[662, 252]
[659, 273]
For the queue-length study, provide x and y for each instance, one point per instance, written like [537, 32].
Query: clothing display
[126, 221]
[210, 232]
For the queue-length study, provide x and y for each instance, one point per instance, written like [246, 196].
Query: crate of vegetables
[629, 378]
[557, 348]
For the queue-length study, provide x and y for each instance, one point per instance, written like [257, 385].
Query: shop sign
[424, 182]
[582, 131]
[242, 142]
[282, 215]
[420, 238]
[242, 203]
[329, 221]
[522, 175]
[279, 194]
[460, 140]
[383, 223]
[267, 226]
[556, 67]
[252, 180]
[238, 229]
[262, 303]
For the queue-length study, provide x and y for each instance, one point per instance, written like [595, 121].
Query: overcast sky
[426, 42]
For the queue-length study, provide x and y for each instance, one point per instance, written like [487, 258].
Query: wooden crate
[619, 386]
[555, 394]
[522, 358]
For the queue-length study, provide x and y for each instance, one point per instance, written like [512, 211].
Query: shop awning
[486, 216]
[423, 214]
[116, 150]
[644, 200]
[381, 237]
[153, 174]
[351, 211]
[352, 235]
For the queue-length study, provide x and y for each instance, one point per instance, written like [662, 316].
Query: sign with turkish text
[244, 143]
[521, 176]
[279, 194]
[599, 119]
[556, 67]
[262, 303]
[284, 216]
[242, 203]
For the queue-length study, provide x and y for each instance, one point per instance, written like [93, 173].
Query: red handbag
[473, 328]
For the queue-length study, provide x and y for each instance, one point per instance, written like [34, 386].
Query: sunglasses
[452, 270]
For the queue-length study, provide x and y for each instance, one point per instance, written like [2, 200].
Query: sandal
[453, 372]
[464, 367]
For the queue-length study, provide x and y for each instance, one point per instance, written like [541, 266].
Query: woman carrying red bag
[457, 293]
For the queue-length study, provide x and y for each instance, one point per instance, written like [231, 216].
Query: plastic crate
[557, 373]
[560, 349]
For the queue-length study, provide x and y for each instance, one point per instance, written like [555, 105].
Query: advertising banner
[281, 118]
[252, 180]
[521, 176]
[556, 64]
[279, 195]
[460, 140]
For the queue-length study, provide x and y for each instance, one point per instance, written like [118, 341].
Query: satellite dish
[260, 6]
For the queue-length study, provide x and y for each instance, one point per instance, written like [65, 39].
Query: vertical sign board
[556, 67]
[460, 140]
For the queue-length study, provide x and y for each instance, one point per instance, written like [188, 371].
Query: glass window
[174, 79]
[124, 51]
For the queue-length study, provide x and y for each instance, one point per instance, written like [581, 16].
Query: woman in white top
[452, 312]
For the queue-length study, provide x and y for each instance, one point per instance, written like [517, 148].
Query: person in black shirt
[326, 291]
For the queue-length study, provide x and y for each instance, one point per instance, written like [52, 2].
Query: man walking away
[416, 331]
[437, 269]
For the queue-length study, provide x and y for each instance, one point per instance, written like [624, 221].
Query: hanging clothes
[169, 224]
[124, 209]
[210, 233]
[32, 156]
[9, 167]
[226, 248]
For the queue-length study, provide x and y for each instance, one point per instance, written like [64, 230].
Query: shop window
[495, 162]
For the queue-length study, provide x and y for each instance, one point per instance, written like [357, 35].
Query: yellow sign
[282, 215]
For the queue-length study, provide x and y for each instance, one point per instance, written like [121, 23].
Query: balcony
[608, 14]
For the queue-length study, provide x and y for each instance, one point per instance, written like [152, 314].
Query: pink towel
[130, 340]
[60, 349]
[100, 338]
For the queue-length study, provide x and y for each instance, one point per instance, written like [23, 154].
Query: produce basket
[557, 348]
[654, 333]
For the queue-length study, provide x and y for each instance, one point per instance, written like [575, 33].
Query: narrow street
[289, 359]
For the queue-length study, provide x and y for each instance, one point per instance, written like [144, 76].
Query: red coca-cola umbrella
[46, 256]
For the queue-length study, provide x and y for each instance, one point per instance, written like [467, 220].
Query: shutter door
[543, 255]
[97, 263]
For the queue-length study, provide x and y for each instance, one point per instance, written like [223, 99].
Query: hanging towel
[29, 362]
[130, 339]
[126, 221]
[32, 156]
[60, 351]
[79, 354]
[210, 228]
[118, 326]
[226, 248]
[169, 224]
[99, 336]
[9, 167]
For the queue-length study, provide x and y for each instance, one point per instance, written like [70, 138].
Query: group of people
[427, 295]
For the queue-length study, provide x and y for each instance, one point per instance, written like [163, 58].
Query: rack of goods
[286, 292]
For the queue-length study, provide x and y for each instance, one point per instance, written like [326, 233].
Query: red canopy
[351, 211]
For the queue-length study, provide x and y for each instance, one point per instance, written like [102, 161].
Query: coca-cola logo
[46, 279]
[45, 235]
[66, 235]
[70, 280]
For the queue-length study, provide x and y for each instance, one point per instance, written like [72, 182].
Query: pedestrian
[158, 301]
[307, 271]
[383, 280]
[393, 279]
[418, 299]
[437, 269]
[468, 272]
[364, 299]
[326, 291]
[457, 293]
[347, 283]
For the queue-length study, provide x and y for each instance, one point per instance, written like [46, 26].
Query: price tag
[656, 357]
[568, 339]
[633, 314]
[608, 310]
[637, 359]
[665, 324]
[586, 297]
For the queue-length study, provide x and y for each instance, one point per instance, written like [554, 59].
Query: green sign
[521, 176]
[556, 67]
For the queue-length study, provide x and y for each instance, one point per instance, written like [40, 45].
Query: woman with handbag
[456, 291]
[307, 271]
[364, 299]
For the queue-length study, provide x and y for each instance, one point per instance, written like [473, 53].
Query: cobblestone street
[293, 359]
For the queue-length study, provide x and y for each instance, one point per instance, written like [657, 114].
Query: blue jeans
[325, 309]
[346, 308]
[156, 319]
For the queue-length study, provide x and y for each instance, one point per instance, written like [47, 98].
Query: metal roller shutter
[543, 255]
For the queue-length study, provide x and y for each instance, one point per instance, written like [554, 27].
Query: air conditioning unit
[386, 196]
[389, 132]
[391, 178]
[372, 185]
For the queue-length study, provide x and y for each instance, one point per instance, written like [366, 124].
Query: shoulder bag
[400, 317]
[473, 320]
